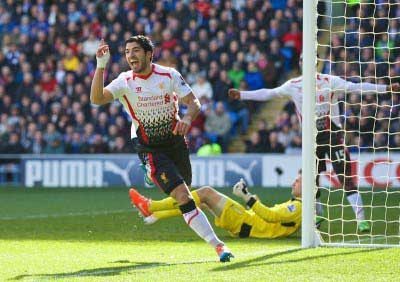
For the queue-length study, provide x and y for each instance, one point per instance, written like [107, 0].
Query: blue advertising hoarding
[124, 170]
[266, 170]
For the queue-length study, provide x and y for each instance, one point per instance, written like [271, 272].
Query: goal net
[357, 118]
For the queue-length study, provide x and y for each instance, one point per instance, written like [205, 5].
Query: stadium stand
[47, 59]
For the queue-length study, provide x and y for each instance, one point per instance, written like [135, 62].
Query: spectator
[13, 146]
[3, 123]
[88, 134]
[80, 121]
[76, 145]
[15, 116]
[253, 77]
[236, 74]
[121, 146]
[55, 113]
[253, 55]
[395, 144]
[293, 38]
[275, 56]
[202, 87]
[221, 87]
[102, 124]
[262, 130]
[90, 45]
[195, 139]
[285, 136]
[71, 62]
[294, 147]
[167, 59]
[273, 145]
[112, 136]
[194, 72]
[168, 41]
[38, 144]
[47, 82]
[217, 126]
[53, 139]
[98, 145]
[28, 135]
[255, 144]
[26, 87]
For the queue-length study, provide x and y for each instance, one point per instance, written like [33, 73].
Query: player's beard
[140, 66]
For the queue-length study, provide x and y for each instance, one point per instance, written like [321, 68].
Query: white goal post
[308, 234]
[358, 46]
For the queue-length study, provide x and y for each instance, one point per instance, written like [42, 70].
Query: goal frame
[310, 237]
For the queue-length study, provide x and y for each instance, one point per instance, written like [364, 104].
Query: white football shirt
[151, 101]
[328, 89]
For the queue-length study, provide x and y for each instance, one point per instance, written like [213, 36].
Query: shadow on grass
[105, 271]
[133, 266]
[263, 260]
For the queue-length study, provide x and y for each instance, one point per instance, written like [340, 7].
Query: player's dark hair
[143, 41]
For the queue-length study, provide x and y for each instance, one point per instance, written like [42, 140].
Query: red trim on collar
[162, 73]
[134, 75]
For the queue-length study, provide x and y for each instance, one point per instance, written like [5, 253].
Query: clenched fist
[182, 126]
[234, 94]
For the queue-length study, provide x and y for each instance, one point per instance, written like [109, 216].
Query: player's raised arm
[263, 94]
[99, 95]
[193, 109]
[277, 214]
[364, 88]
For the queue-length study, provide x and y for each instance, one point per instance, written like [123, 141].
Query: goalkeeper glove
[240, 190]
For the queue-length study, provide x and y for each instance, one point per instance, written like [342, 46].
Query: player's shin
[356, 203]
[198, 221]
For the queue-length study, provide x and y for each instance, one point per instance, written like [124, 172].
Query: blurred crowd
[47, 59]
[367, 50]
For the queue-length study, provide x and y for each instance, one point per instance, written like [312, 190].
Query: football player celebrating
[150, 94]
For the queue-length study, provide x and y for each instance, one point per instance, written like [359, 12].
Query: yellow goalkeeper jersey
[261, 221]
[279, 221]
[288, 212]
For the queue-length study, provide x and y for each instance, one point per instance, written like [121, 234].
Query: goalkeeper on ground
[258, 221]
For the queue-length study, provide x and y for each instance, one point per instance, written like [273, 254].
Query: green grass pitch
[94, 235]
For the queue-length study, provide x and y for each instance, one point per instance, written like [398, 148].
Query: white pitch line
[70, 214]
[371, 239]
